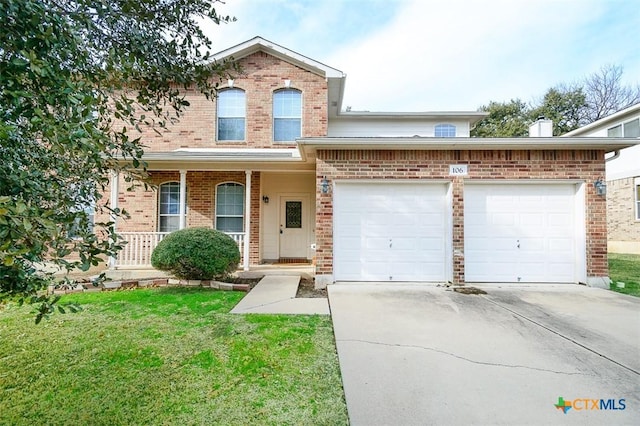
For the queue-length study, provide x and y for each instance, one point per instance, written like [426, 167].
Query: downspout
[616, 154]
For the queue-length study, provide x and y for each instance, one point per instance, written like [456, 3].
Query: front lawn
[167, 356]
[625, 268]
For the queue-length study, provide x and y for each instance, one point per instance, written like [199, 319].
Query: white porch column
[247, 220]
[113, 203]
[183, 199]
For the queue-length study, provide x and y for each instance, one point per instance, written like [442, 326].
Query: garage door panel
[520, 233]
[393, 229]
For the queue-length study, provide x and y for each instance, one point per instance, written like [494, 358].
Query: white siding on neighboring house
[627, 165]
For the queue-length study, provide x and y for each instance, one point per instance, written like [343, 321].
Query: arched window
[445, 131]
[231, 115]
[287, 115]
[230, 207]
[169, 210]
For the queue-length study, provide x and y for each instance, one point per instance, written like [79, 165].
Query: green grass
[167, 356]
[625, 268]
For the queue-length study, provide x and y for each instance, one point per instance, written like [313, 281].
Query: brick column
[458, 229]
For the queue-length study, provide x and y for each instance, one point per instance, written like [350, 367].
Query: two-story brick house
[277, 164]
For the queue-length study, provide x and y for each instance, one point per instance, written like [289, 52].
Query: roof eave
[309, 145]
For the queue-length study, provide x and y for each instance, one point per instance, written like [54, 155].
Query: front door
[294, 227]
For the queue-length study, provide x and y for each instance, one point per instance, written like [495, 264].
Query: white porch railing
[139, 246]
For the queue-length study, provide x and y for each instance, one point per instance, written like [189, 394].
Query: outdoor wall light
[600, 186]
[265, 199]
[324, 185]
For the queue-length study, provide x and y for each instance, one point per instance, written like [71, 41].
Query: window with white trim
[637, 191]
[632, 128]
[84, 210]
[287, 115]
[445, 131]
[169, 210]
[231, 115]
[230, 207]
[628, 129]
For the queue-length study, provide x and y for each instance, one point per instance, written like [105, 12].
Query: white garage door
[390, 232]
[521, 233]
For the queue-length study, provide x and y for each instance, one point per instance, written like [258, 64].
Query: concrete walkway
[417, 355]
[276, 294]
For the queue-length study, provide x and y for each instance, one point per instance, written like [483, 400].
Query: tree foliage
[78, 79]
[505, 119]
[564, 106]
[568, 106]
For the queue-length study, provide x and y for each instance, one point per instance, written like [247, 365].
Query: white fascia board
[258, 43]
[309, 145]
[293, 152]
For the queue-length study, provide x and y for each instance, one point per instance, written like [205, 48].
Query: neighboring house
[623, 178]
[276, 163]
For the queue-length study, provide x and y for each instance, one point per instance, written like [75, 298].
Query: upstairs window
[230, 207]
[445, 131]
[231, 115]
[287, 115]
[629, 129]
[169, 211]
[632, 128]
[615, 132]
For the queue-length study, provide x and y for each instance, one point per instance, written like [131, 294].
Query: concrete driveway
[415, 354]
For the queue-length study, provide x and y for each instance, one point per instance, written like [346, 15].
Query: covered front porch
[267, 207]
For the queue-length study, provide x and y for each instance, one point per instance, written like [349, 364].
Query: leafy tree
[568, 106]
[565, 106]
[505, 120]
[78, 78]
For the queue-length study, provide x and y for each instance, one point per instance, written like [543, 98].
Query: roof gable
[258, 44]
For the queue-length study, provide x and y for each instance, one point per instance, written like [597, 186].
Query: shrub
[196, 254]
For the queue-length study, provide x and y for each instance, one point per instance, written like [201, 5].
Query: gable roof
[606, 122]
[258, 44]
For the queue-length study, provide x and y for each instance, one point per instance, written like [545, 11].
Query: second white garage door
[523, 233]
[390, 232]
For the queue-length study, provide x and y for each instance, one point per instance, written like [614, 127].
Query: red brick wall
[587, 165]
[262, 75]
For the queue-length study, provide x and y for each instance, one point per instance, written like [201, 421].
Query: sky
[444, 55]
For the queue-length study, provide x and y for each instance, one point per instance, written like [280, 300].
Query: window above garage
[445, 131]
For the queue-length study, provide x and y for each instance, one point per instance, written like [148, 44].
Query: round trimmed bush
[196, 254]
